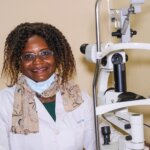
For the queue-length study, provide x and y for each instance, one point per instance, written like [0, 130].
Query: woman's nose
[38, 60]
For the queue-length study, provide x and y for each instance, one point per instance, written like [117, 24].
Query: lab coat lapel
[43, 113]
[60, 112]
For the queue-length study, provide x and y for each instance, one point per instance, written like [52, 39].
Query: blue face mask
[39, 87]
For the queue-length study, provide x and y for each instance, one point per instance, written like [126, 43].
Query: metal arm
[96, 74]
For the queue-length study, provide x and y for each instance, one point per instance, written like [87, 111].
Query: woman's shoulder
[6, 95]
[7, 91]
[86, 97]
[87, 101]
[6, 104]
[85, 110]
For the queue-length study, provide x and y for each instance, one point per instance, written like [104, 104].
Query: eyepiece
[82, 48]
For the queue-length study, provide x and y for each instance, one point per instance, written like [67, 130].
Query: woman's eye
[46, 53]
[28, 56]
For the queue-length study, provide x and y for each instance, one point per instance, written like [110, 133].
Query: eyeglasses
[44, 54]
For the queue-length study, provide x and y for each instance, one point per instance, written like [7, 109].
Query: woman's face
[37, 60]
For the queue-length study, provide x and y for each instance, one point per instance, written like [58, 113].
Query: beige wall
[75, 18]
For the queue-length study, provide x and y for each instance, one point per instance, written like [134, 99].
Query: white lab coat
[71, 131]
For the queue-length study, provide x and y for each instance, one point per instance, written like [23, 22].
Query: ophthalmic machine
[112, 103]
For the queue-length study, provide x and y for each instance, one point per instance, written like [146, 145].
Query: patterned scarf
[25, 117]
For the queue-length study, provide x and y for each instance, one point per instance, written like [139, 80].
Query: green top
[51, 109]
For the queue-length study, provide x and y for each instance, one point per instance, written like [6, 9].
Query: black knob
[133, 32]
[128, 138]
[106, 134]
[127, 126]
[117, 33]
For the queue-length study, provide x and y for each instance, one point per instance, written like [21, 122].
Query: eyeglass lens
[44, 54]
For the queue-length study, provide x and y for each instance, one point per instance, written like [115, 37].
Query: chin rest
[129, 96]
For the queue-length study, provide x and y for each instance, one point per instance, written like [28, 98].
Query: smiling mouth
[39, 70]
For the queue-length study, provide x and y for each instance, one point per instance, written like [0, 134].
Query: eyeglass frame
[39, 55]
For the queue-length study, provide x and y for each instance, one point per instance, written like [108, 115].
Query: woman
[42, 108]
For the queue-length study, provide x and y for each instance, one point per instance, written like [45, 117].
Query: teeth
[39, 70]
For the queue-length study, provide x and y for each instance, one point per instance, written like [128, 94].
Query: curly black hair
[15, 43]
